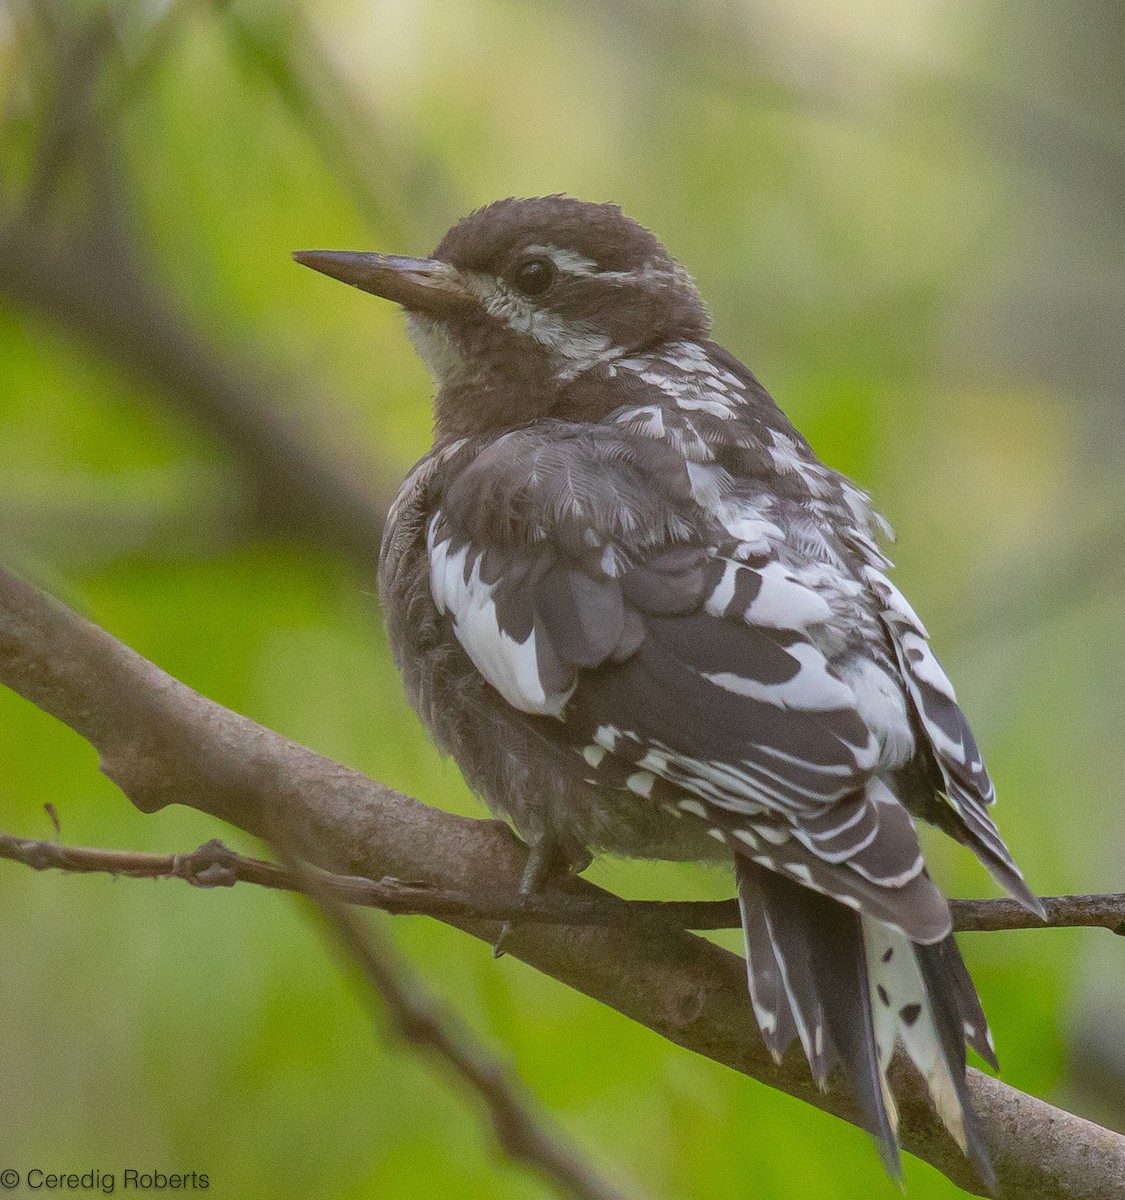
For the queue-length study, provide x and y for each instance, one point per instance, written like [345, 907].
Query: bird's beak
[422, 285]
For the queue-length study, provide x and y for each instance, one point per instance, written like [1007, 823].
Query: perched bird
[645, 619]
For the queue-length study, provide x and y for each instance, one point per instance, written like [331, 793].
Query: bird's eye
[534, 276]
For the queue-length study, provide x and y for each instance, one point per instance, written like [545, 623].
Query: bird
[645, 619]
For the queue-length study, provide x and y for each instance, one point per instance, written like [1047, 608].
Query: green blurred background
[906, 216]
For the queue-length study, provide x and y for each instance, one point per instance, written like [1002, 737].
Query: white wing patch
[920, 669]
[812, 688]
[782, 600]
[881, 704]
[511, 667]
[894, 600]
[924, 666]
[967, 787]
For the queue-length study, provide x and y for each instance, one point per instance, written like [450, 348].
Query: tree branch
[216, 865]
[164, 744]
[106, 304]
[88, 278]
[526, 1135]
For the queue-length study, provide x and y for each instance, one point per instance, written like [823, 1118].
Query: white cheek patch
[511, 667]
[576, 346]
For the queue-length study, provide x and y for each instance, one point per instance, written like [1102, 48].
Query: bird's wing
[577, 581]
[966, 788]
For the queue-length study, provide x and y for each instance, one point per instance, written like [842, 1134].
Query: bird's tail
[850, 989]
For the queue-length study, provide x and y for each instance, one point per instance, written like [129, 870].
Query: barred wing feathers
[573, 567]
[966, 787]
[788, 786]
[579, 578]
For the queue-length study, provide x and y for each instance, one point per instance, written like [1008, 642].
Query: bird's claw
[498, 945]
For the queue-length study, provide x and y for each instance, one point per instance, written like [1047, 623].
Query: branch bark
[164, 744]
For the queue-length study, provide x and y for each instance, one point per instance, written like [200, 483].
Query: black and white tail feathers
[850, 988]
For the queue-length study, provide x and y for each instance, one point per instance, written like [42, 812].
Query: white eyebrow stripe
[576, 345]
[568, 261]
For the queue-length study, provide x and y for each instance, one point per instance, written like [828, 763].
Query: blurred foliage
[906, 217]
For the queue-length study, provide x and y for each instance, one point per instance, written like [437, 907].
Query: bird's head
[523, 297]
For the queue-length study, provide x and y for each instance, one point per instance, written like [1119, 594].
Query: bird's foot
[545, 865]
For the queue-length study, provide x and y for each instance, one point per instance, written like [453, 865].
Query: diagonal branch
[526, 1136]
[215, 865]
[87, 275]
[164, 744]
[103, 300]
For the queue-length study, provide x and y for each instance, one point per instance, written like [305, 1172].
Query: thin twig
[215, 865]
